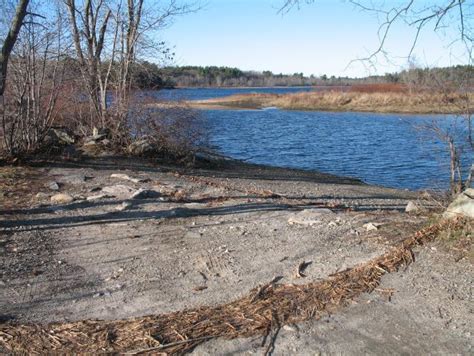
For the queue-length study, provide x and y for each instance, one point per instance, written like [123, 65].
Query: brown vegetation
[379, 88]
[355, 100]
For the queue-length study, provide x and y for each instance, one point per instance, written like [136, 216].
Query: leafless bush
[167, 130]
[36, 71]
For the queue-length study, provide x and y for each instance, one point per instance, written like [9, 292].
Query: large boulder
[463, 205]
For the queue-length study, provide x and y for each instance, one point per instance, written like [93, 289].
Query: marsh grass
[384, 102]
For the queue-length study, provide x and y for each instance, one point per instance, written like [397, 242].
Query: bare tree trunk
[10, 40]
[91, 57]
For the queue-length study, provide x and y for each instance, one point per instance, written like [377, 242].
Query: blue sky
[321, 38]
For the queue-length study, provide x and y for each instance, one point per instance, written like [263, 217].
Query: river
[381, 149]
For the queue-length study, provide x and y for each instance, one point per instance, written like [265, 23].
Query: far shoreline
[383, 103]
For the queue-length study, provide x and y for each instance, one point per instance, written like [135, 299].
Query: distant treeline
[149, 75]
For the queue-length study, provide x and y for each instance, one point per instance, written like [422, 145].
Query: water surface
[382, 149]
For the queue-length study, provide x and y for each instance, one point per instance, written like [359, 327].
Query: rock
[89, 144]
[463, 205]
[195, 205]
[41, 195]
[412, 207]
[289, 328]
[126, 177]
[372, 226]
[310, 217]
[140, 147]
[98, 197]
[124, 206]
[98, 135]
[62, 198]
[53, 185]
[119, 190]
[73, 179]
[145, 194]
[56, 137]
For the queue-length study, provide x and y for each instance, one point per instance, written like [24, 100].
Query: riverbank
[406, 103]
[115, 238]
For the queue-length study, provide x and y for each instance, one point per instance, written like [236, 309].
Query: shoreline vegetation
[381, 102]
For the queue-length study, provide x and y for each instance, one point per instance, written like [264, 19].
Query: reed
[384, 102]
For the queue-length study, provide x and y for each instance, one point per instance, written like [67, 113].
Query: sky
[321, 38]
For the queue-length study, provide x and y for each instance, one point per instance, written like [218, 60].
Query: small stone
[119, 191]
[53, 185]
[124, 206]
[289, 328]
[194, 205]
[126, 177]
[371, 226]
[98, 197]
[62, 198]
[145, 194]
[41, 196]
[411, 207]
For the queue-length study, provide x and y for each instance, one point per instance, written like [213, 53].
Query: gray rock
[53, 185]
[372, 226]
[124, 206]
[58, 137]
[194, 205]
[463, 205]
[127, 177]
[412, 207]
[73, 179]
[42, 196]
[98, 197]
[140, 147]
[310, 217]
[119, 190]
[145, 194]
[61, 198]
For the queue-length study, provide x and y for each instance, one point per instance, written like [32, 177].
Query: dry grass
[386, 102]
[264, 309]
[379, 88]
[458, 239]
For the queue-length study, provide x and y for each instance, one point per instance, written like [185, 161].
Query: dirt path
[207, 236]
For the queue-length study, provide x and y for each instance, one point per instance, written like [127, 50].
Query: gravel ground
[206, 236]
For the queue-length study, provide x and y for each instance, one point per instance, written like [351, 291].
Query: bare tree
[11, 38]
[88, 24]
[109, 38]
[36, 72]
